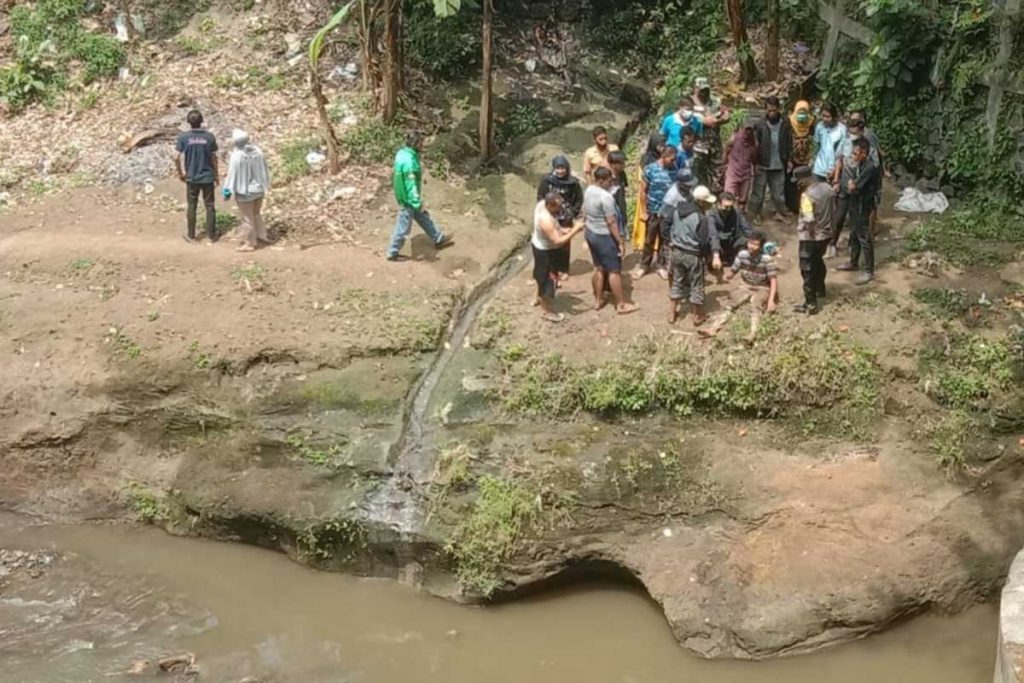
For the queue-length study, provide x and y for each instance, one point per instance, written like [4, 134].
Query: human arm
[543, 188]
[865, 181]
[556, 236]
[588, 167]
[716, 246]
[773, 291]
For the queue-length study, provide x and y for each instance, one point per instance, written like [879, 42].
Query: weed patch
[145, 505]
[341, 539]
[372, 141]
[971, 237]
[819, 370]
[252, 277]
[200, 359]
[489, 535]
[318, 456]
[966, 371]
[523, 119]
[953, 303]
[949, 439]
[122, 344]
[292, 155]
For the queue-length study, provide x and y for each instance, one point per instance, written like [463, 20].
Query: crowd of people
[818, 171]
[696, 210]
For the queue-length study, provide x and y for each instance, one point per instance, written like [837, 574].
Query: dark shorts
[544, 271]
[605, 252]
[686, 272]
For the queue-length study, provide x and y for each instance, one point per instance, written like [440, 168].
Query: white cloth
[248, 175]
[539, 239]
[914, 201]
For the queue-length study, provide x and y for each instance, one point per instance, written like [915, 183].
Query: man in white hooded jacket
[248, 180]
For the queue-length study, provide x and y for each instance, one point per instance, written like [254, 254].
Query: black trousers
[842, 212]
[654, 244]
[862, 242]
[211, 214]
[812, 269]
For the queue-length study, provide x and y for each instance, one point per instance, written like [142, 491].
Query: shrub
[372, 141]
[447, 47]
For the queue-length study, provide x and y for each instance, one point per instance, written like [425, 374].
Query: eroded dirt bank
[263, 399]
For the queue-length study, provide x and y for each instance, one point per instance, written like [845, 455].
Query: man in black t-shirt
[197, 168]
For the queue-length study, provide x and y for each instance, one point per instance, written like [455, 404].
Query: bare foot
[563, 277]
[553, 317]
[699, 320]
[673, 315]
[600, 303]
[706, 334]
[536, 301]
[626, 309]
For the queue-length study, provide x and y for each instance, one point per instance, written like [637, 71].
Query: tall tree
[738, 28]
[129, 25]
[392, 84]
[771, 56]
[486, 89]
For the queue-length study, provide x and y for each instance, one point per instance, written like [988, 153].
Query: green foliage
[145, 505]
[447, 45]
[523, 118]
[489, 535]
[950, 437]
[341, 539]
[986, 235]
[967, 371]
[49, 36]
[292, 156]
[252, 276]
[122, 344]
[82, 264]
[316, 46]
[200, 359]
[372, 141]
[797, 372]
[320, 457]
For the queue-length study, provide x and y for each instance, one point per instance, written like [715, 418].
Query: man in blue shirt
[197, 168]
[673, 124]
[658, 178]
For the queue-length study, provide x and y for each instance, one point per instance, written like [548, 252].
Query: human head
[861, 149]
[240, 138]
[748, 129]
[686, 105]
[771, 106]
[702, 87]
[553, 202]
[803, 176]
[727, 202]
[601, 137]
[802, 112]
[829, 115]
[702, 195]
[617, 160]
[195, 118]
[668, 156]
[686, 180]
[856, 127]
[560, 166]
[603, 177]
[688, 138]
[858, 115]
[756, 242]
[414, 139]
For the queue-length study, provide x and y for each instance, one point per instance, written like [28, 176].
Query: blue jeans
[406, 215]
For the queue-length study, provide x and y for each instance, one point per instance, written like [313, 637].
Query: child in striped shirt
[760, 286]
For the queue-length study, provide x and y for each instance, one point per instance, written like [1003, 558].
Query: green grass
[80, 265]
[200, 359]
[966, 371]
[371, 141]
[316, 456]
[293, 157]
[950, 438]
[795, 370]
[341, 539]
[122, 344]
[145, 505]
[489, 535]
[193, 45]
[252, 276]
[971, 236]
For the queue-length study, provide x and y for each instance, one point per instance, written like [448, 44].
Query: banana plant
[316, 48]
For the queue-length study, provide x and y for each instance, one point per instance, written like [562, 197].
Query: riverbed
[119, 594]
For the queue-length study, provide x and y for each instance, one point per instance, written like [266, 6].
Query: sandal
[553, 317]
[246, 248]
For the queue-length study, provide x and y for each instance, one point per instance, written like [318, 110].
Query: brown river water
[119, 594]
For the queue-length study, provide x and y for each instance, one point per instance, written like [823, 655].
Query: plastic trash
[914, 201]
[315, 159]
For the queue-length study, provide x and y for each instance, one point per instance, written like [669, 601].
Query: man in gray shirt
[775, 148]
[814, 230]
[604, 240]
[690, 240]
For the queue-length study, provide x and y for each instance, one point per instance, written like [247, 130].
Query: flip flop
[626, 309]
[553, 317]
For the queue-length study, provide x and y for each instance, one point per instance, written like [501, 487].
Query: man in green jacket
[407, 179]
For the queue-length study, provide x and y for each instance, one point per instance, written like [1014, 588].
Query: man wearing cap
[732, 227]
[814, 230]
[690, 241]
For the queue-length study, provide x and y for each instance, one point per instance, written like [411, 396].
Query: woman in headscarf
[248, 180]
[802, 122]
[652, 154]
[562, 181]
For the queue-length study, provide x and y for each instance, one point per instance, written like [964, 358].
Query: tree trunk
[486, 114]
[771, 57]
[392, 59]
[738, 28]
[333, 157]
[126, 10]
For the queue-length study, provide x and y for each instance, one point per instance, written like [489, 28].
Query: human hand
[771, 306]
[851, 186]
[622, 249]
[716, 263]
